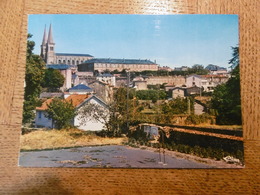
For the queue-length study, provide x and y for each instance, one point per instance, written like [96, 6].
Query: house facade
[78, 101]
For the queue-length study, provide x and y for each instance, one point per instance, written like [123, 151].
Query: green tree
[226, 97]
[61, 112]
[198, 69]
[34, 75]
[53, 80]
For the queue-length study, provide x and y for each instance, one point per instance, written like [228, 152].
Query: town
[175, 109]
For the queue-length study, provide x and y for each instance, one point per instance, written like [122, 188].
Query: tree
[61, 112]
[198, 69]
[91, 111]
[53, 80]
[34, 75]
[226, 97]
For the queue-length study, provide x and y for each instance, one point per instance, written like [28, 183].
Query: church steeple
[50, 52]
[43, 46]
[50, 38]
[44, 39]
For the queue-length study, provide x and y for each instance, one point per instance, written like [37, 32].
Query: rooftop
[73, 54]
[80, 87]
[119, 61]
[105, 75]
[76, 100]
[59, 66]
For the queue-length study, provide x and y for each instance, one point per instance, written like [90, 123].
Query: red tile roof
[76, 100]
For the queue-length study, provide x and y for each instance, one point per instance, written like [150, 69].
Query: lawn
[49, 139]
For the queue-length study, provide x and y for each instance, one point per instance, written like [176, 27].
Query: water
[113, 156]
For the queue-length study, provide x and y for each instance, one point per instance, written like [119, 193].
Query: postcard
[132, 91]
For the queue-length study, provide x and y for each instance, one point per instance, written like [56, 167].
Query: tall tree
[226, 97]
[53, 80]
[61, 112]
[33, 78]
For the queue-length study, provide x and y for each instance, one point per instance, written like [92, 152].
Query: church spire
[44, 40]
[50, 38]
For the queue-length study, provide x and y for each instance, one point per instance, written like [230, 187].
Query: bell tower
[43, 45]
[50, 54]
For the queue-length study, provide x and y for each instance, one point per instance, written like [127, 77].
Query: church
[50, 57]
[86, 62]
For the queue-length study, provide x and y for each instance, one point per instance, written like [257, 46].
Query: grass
[55, 139]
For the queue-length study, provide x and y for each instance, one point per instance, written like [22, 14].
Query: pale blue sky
[171, 40]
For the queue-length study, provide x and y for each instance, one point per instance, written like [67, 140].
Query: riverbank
[65, 138]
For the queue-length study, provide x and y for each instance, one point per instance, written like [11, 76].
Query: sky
[171, 40]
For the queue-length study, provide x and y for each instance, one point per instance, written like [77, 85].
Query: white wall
[91, 125]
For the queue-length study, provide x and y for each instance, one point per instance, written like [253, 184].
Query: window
[40, 114]
[64, 62]
[68, 61]
[51, 48]
[59, 61]
[73, 62]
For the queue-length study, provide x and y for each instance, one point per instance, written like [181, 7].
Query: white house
[107, 78]
[199, 81]
[78, 100]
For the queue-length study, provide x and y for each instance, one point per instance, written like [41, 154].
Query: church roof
[119, 61]
[44, 39]
[73, 54]
[50, 38]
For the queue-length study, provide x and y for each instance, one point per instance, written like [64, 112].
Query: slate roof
[80, 87]
[212, 67]
[118, 61]
[59, 66]
[105, 75]
[73, 54]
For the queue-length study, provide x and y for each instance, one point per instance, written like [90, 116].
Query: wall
[17, 180]
[176, 80]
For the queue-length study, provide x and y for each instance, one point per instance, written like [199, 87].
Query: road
[104, 156]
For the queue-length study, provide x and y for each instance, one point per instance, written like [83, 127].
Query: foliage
[91, 111]
[53, 80]
[61, 112]
[226, 97]
[153, 95]
[177, 106]
[198, 119]
[33, 78]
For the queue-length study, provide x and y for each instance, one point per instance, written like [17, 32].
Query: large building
[103, 64]
[50, 57]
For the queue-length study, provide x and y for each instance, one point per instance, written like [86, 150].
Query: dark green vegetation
[53, 80]
[36, 78]
[61, 112]
[153, 95]
[226, 97]
[200, 145]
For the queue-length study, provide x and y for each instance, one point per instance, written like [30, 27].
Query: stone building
[102, 90]
[159, 80]
[107, 78]
[103, 64]
[50, 57]
[206, 82]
